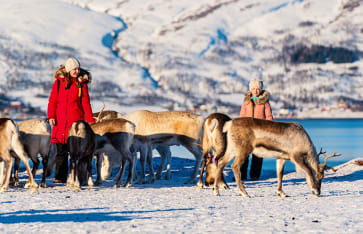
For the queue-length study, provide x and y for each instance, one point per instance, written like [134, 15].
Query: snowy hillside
[187, 55]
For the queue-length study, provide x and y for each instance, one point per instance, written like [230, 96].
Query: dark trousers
[255, 171]
[61, 163]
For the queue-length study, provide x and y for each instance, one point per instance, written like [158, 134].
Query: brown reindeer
[161, 130]
[119, 135]
[264, 138]
[214, 145]
[35, 136]
[10, 146]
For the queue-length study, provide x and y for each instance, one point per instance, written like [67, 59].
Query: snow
[173, 207]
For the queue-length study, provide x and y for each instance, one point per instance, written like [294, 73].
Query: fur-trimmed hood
[83, 77]
[262, 99]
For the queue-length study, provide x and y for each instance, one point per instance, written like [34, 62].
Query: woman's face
[74, 73]
[255, 91]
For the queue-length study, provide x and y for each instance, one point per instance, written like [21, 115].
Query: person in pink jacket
[256, 105]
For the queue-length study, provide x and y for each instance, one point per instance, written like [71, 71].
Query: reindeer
[81, 144]
[11, 146]
[117, 134]
[214, 141]
[163, 129]
[157, 130]
[265, 138]
[111, 158]
[107, 114]
[35, 135]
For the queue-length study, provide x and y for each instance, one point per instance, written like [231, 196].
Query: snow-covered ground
[173, 207]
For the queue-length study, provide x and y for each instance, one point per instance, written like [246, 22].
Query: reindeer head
[211, 170]
[323, 166]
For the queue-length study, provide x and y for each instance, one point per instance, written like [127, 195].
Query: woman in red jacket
[68, 102]
[256, 104]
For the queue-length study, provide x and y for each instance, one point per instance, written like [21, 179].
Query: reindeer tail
[227, 126]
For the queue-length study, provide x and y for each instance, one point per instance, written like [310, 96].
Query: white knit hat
[255, 83]
[71, 64]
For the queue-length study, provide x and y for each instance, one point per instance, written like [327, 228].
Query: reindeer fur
[10, 147]
[264, 138]
[214, 142]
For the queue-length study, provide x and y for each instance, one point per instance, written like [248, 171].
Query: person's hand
[52, 122]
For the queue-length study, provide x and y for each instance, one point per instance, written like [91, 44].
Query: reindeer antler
[326, 158]
[321, 152]
[99, 114]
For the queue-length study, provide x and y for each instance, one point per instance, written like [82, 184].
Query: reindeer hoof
[224, 186]
[34, 189]
[117, 185]
[200, 185]
[245, 195]
[43, 185]
[151, 180]
[98, 182]
[4, 189]
[216, 193]
[141, 181]
[281, 194]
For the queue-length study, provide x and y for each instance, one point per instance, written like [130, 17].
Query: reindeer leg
[165, 155]
[130, 177]
[15, 180]
[89, 167]
[2, 167]
[219, 154]
[70, 181]
[134, 158]
[151, 179]
[43, 183]
[98, 168]
[168, 164]
[9, 166]
[120, 172]
[21, 154]
[219, 173]
[204, 161]
[195, 150]
[236, 167]
[143, 155]
[280, 163]
[77, 167]
[36, 163]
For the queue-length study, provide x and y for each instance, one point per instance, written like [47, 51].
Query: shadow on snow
[93, 214]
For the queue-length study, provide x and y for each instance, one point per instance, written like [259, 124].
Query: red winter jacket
[65, 107]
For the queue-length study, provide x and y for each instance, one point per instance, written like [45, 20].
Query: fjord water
[345, 136]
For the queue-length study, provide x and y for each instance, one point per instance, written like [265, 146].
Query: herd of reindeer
[116, 139]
